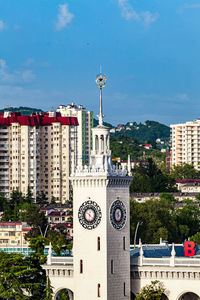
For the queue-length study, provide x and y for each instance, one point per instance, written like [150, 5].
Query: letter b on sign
[189, 248]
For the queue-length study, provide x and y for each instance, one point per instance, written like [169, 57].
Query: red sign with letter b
[189, 248]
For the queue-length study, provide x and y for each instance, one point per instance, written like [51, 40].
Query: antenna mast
[101, 81]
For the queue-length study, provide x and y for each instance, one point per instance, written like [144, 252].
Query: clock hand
[90, 215]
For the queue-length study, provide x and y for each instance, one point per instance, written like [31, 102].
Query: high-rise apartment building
[185, 143]
[37, 151]
[85, 120]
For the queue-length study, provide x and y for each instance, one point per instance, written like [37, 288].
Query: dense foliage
[153, 291]
[185, 171]
[162, 218]
[148, 178]
[150, 130]
[122, 146]
[22, 278]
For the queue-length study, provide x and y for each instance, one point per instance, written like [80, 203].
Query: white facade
[185, 142]
[85, 120]
[179, 276]
[101, 224]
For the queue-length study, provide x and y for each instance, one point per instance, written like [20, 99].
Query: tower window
[124, 289]
[81, 266]
[99, 290]
[98, 244]
[124, 243]
[112, 267]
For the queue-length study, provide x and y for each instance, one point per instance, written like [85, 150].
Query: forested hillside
[150, 130]
[23, 109]
[122, 146]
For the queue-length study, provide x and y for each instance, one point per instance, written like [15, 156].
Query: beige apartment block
[37, 151]
[85, 121]
[13, 234]
[185, 143]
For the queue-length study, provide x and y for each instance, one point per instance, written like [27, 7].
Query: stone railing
[166, 261]
[112, 171]
[60, 260]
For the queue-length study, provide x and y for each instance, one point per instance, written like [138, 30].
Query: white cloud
[31, 62]
[17, 76]
[14, 95]
[129, 13]
[2, 25]
[194, 5]
[16, 27]
[182, 97]
[64, 17]
[149, 18]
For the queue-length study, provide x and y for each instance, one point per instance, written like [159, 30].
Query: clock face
[89, 215]
[118, 214]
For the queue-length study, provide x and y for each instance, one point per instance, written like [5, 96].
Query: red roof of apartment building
[59, 213]
[9, 223]
[187, 180]
[41, 119]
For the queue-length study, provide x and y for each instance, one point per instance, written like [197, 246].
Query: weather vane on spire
[101, 81]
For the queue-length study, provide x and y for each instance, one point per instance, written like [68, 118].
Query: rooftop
[40, 119]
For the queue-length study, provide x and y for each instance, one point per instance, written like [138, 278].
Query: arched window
[189, 295]
[96, 143]
[102, 143]
[107, 142]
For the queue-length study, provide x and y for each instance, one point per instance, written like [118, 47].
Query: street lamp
[136, 230]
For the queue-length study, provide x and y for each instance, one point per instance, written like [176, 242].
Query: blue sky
[50, 53]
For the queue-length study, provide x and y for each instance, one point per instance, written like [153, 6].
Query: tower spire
[101, 81]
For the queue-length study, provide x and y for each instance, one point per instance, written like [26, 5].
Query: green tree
[158, 220]
[37, 244]
[197, 197]
[32, 214]
[48, 290]
[184, 171]
[148, 178]
[195, 238]
[3, 202]
[53, 200]
[153, 291]
[168, 197]
[63, 295]
[21, 277]
[59, 241]
[188, 221]
[41, 198]
[29, 196]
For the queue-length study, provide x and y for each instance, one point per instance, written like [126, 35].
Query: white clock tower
[101, 222]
